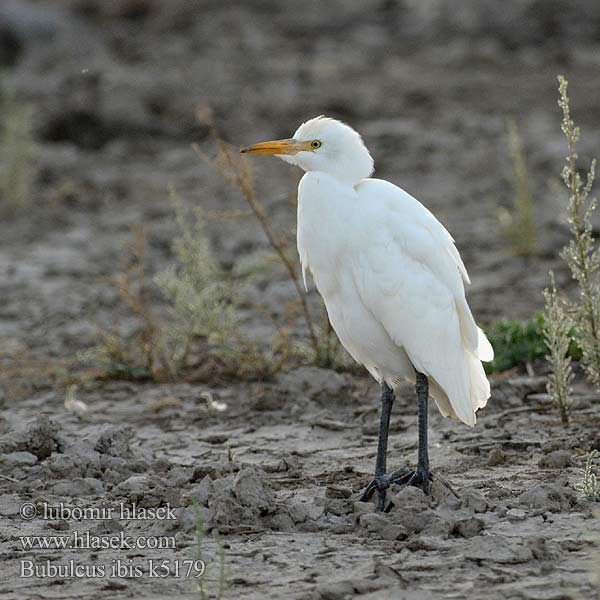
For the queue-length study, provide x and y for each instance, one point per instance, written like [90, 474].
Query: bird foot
[419, 477]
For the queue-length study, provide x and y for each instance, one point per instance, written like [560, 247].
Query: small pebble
[338, 491]
[516, 514]
[469, 528]
[474, 500]
[559, 459]
[496, 457]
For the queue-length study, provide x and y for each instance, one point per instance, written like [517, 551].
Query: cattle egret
[392, 281]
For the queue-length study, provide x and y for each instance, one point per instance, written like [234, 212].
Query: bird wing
[416, 231]
[410, 276]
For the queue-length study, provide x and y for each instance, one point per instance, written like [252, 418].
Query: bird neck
[340, 180]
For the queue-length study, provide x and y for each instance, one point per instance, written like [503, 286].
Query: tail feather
[476, 388]
[480, 386]
[485, 352]
[460, 388]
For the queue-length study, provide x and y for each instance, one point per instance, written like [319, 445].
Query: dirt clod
[39, 438]
[250, 487]
[558, 459]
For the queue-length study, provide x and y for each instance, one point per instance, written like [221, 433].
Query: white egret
[392, 281]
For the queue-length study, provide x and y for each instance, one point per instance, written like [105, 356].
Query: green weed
[518, 223]
[17, 152]
[203, 592]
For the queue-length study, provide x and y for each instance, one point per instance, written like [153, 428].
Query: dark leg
[382, 481]
[422, 475]
[387, 401]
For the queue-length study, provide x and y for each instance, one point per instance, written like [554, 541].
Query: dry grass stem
[557, 333]
[236, 169]
[204, 305]
[581, 254]
[519, 224]
[17, 152]
[588, 484]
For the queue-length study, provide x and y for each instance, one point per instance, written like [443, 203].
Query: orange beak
[290, 146]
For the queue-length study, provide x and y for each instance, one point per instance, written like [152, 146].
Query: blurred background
[114, 87]
[109, 91]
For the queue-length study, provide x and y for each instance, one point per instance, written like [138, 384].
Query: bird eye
[315, 144]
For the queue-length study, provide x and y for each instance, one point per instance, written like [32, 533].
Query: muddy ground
[115, 86]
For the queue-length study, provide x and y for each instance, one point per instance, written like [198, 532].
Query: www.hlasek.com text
[88, 541]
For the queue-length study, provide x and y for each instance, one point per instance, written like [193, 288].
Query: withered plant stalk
[236, 169]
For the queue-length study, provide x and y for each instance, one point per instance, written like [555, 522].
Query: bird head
[325, 145]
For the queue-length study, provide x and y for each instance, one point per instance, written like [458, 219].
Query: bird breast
[325, 217]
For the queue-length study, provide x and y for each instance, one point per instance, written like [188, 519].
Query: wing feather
[411, 278]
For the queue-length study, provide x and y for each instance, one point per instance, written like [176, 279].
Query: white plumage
[388, 271]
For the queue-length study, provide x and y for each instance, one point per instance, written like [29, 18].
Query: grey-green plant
[556, 328]
[518, 224]
[588, 484]
[204, 303]
[203, 592]
[17, 151]
[581, 253]
[580, 316]
[143, 354]
[200, 295]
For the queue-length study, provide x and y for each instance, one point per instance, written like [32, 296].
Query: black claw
[370, 489]
[379, 484]
[420, 478]
[399, 475]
